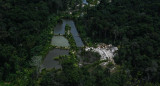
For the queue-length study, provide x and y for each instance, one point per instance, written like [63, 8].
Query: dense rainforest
[132, 25]
[25, 27]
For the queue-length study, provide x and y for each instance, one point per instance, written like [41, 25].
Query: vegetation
[25, 31]
[90, 56]
[5, 84]
[70, 38]
[26, 28]
[134, 27]
[68, 76]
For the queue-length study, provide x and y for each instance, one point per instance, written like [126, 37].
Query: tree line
[133, 26]
[25, 27]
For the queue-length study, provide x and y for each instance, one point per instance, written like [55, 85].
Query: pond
[60, 29]
[49, 61]
[59, 41]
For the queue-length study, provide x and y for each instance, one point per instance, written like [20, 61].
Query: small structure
[85, 2]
